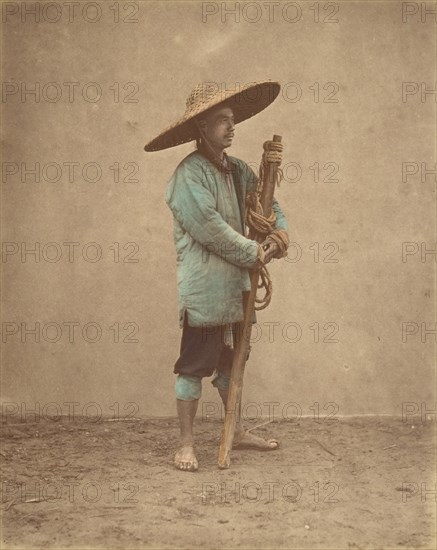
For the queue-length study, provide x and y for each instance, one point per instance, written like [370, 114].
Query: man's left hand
[271, 249]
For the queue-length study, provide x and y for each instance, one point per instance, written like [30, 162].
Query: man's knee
[221, 380]
[188, 388]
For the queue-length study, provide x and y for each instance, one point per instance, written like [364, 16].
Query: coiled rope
[264, 227]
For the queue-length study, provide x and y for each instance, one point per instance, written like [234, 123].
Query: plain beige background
[368, 213]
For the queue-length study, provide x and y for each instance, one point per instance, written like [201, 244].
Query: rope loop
[262, 225]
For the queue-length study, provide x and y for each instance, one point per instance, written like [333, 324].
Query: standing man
[207, 195]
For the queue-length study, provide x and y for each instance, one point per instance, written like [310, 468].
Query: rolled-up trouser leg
[188, 388]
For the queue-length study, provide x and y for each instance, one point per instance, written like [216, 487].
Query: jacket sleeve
[194, 206]
[252, 181]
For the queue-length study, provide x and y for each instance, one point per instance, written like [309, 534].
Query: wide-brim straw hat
[245, 101]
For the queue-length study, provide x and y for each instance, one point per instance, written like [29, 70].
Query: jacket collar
[224, 165]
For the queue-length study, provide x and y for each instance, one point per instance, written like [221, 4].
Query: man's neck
[213, 155]
[219, 152]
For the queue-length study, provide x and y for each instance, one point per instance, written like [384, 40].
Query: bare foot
[245, 440]
[185, 459]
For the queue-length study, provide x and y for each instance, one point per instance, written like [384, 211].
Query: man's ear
[202, 124]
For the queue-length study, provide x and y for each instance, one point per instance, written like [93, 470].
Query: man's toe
[247, 440]
[186, 465]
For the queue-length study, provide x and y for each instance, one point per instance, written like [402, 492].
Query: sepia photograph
[218, 275]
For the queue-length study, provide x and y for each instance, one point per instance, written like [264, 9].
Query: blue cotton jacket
[213, 254]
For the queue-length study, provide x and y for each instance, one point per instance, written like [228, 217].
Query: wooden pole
[244, 331]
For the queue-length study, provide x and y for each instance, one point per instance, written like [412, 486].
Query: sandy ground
[356, 483]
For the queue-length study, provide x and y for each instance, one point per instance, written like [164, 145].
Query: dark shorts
[203, 350]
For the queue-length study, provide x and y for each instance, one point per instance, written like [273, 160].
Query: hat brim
[246, 103]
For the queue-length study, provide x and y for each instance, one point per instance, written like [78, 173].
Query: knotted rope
[262, 226]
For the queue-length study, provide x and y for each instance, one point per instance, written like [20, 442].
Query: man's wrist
[261, 257]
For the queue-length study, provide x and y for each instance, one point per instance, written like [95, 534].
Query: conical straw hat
[245, 101]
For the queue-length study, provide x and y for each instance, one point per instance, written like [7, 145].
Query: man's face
[219, 127]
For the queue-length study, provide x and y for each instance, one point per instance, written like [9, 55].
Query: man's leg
[188, 391]
[242, 438]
